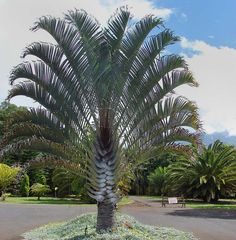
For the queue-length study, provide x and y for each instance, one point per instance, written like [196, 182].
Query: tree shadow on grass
[205, 213]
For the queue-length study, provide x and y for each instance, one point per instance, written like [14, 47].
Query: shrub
[7, 175]
[5, 195]
[39, 189]
[25, 186]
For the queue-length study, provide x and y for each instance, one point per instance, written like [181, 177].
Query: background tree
[39, 189]
[158, 181]
[6, 109]
[38, 175]
[7, 175]
[109, 89]
[25, 185]
[20, 157]
[208, 174]
[141, 183]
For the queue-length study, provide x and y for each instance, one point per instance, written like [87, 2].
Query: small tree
[39, 189]
[7, 175]
[25, 186]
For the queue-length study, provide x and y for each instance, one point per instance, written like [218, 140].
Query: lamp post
[56, 188]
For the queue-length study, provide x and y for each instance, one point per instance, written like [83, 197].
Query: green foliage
[39, 189]
[124, 183]
[25, 186]
[7, 176]
[38, 175]
[157, 181]
[207, 174]
[70, 182]
[141, 183]
[124, 186]
[6, 109]
[5, 195]
[67, 181]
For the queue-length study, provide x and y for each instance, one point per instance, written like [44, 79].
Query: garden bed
[127, 228]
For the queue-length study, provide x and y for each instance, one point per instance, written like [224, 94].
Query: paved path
[205, 224]
[16, 219]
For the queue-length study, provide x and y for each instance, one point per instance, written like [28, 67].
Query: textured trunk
[105, 217]
[103, 178]
[106, 194]
[2, 196]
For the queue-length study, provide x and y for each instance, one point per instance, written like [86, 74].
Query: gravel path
[205, 224]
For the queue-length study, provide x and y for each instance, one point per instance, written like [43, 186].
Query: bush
[7, 176]
[39, 189]
[25, 186]
[5, 195]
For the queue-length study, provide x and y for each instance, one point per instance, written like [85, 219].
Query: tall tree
[110, 84]
[6, 109]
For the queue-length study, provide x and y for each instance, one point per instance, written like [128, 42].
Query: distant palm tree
[111, 87]
[206, 175]
[157, 180]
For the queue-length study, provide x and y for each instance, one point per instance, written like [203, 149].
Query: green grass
[43, 200]
[219, 205]
[152, 197]
[126, 228]
[125, 201]
[50, 200]
[229, 204]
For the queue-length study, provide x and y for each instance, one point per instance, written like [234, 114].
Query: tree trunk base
[105, 217]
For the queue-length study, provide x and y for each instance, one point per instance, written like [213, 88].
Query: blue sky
[208, 42]
[212, 21]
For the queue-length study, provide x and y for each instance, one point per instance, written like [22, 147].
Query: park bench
[173, 200]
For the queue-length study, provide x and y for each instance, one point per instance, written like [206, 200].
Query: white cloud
[211, 36]
[215, 70]
[16, 17]
[184, 16]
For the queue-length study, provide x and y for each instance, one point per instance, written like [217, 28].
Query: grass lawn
[221, 204]
[51, 200]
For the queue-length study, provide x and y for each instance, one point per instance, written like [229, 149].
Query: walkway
[205, 224]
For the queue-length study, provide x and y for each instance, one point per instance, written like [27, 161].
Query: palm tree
[110, 86]
[207, 175]
[157, 180]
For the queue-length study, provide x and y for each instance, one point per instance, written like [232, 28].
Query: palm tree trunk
[105, 216]
[104, 179]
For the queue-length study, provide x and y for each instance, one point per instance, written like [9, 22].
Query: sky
[208, 43]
